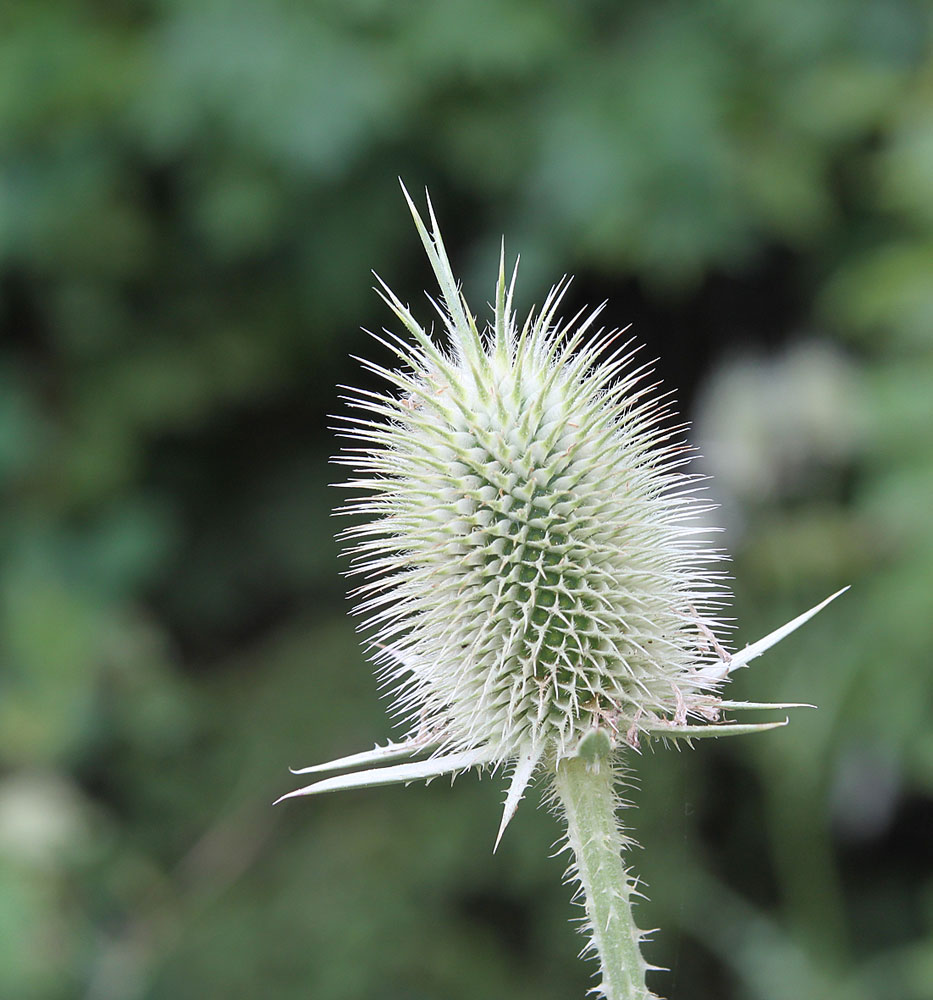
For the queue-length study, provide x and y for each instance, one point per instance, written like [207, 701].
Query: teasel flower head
[535, 574]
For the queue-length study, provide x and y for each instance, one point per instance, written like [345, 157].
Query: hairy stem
[587, 796]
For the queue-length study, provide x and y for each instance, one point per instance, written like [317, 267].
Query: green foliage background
[192, 193]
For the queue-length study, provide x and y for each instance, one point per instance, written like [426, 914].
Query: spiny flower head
[536, 581]
[532, 559]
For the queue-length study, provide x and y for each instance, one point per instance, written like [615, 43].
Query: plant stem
[587, 794]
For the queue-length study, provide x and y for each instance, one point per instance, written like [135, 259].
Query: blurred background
[192, 194]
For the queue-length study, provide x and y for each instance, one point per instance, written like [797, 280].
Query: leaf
[520, 778]
[755, 706]
[702, 732]
[393, 751]
[743, 656]
[433, 767]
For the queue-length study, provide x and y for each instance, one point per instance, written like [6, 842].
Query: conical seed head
[533, 567]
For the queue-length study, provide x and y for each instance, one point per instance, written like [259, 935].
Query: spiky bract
[534, 566]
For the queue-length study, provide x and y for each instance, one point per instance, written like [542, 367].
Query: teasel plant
[537, 583]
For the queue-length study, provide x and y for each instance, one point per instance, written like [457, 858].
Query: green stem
[587, 794]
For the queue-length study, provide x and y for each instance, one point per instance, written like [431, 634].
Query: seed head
[529, 540]
[536, 577]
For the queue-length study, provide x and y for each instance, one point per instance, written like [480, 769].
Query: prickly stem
[586, 796]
